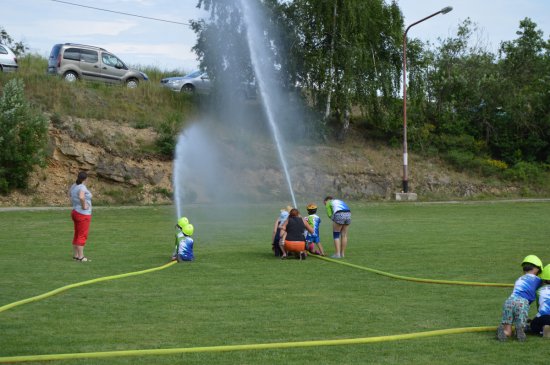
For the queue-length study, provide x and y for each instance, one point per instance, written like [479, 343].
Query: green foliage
[19, 48]
[478, 107]
[166, 139]
[23, 137]
[527, 172]
[342, 53]
[347, 53]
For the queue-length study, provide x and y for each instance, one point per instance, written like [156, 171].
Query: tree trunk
[331, 66]
[345, 124]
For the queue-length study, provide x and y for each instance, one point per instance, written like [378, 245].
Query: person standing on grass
[516, 308]
[541, 323]
[340, 214]
[312, 239]
[81, 200]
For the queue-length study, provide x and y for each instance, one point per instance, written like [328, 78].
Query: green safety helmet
[545, 273]
[183, 221]
[188, 229]
[532, 259]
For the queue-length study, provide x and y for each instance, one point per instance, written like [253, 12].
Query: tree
[23, 137]
[221, 43]
[348, 53]
[526, 103]
[19, 48]
[465, 101]
[343, 53]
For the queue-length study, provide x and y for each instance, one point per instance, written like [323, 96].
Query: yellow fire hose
[264, 346]
[259, 346]
[408, 278]
[379, 272]
[82, 283]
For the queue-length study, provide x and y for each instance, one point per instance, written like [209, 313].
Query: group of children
[311, 238]
[533, 285]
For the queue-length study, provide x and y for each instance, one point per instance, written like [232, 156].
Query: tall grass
[236, 292]
[150, 105]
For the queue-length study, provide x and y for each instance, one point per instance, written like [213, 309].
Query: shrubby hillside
[125, 139]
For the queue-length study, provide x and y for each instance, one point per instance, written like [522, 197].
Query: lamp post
[405, 154]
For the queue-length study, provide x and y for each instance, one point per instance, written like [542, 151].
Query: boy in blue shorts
[312, 239]
[184, 242]
[541, 323]
[516, 307]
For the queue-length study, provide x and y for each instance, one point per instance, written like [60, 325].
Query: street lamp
[405, 154]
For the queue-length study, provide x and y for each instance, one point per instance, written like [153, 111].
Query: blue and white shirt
[184, 247]
[314, 221]
[335, 206]
[543, 300]
[526, 287]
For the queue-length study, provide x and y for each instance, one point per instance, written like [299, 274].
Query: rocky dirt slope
[123, 174]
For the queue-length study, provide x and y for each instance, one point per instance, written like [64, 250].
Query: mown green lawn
[237, 293]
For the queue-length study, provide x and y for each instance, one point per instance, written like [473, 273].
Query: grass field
[237, 293]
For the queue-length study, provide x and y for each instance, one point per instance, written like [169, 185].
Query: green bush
[167, 136]
[23, 137]
[166, 142]
[462, 160]
[526, 172]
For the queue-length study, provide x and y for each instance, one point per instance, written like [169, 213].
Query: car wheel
[70, 76]
[132, 83]
[188, 88]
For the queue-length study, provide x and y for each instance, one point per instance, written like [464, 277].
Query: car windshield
[112, 60]
[194, 74]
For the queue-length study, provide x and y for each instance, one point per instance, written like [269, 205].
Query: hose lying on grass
[264, 346]
[82, 283]
[408, 278]
[383, 273]
[259, 346]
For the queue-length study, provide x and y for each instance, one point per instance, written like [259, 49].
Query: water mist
[265, 78]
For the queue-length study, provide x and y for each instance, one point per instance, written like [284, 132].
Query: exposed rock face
[120, 173]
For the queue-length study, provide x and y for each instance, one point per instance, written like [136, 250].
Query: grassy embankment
[237, 293]
[150, 105]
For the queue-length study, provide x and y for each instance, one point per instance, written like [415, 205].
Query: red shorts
[295, 246]
[81, 227]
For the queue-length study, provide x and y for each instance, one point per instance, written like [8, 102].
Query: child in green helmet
[540, 325]
[516, 307]
[183, 250]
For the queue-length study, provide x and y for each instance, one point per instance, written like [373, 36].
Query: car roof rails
[85, 45]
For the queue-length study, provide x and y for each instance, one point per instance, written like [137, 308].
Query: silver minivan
[78, 61]
[8, 60]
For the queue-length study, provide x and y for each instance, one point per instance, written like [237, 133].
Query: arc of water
[253, 28]
[178, 175]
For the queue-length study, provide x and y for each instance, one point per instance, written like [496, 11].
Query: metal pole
[405, 152]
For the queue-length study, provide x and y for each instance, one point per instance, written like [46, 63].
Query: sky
[145, 42]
